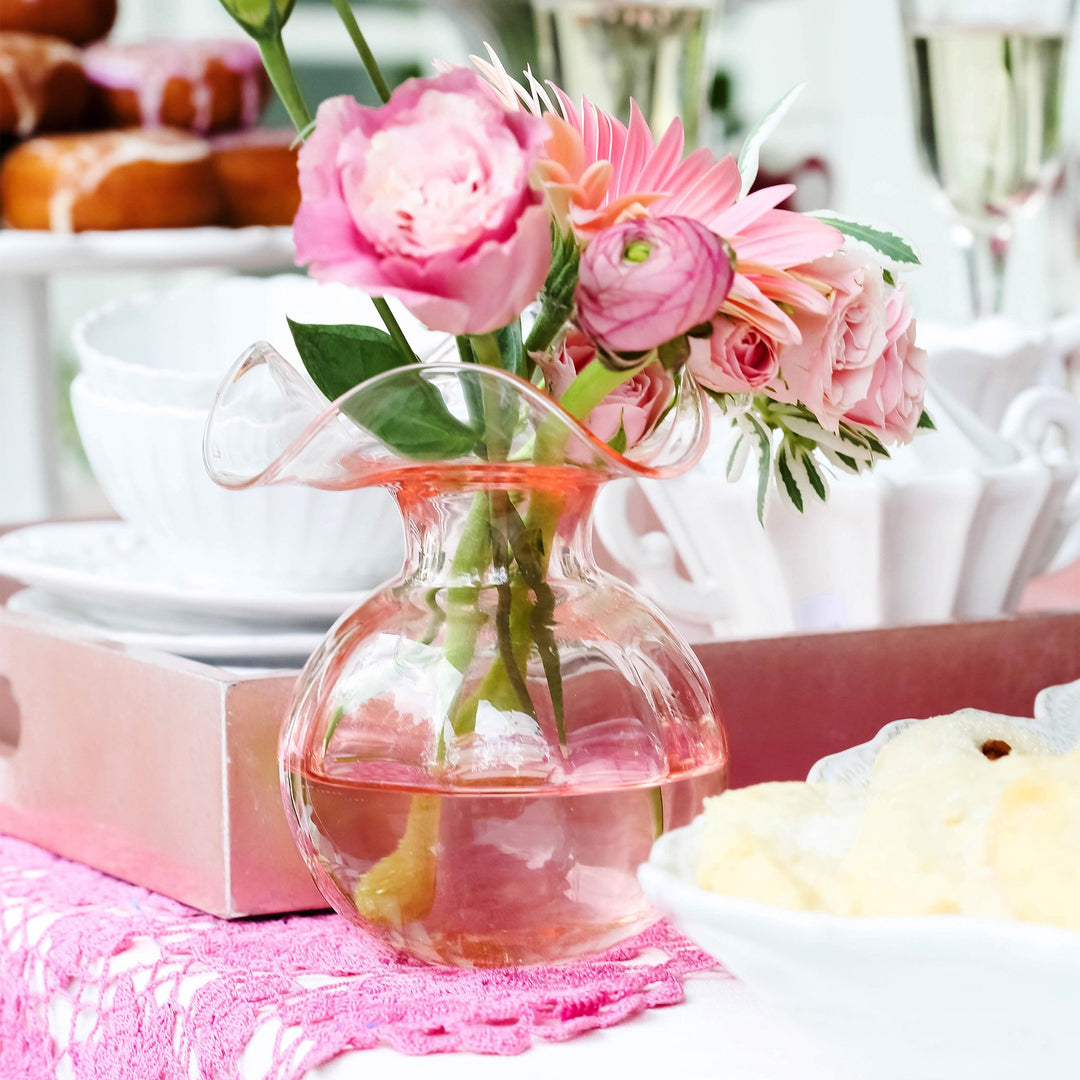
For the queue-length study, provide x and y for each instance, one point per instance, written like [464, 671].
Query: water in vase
[510, 875]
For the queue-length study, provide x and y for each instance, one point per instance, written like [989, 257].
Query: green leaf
[527, 545]
[731, 469]
[340, 357]
[511, 351]
[617, 442]
[783, 470]
[893, 247]
[764, 460]
[887, 275]
[751, 147]
[815, 478]
[407, 413]
[926, 422]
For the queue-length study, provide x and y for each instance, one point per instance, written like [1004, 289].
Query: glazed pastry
[256, 171]
[42, 85]
[133, 179]
[203, 86]
[77, 21]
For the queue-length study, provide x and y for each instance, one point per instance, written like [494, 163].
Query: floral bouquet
[598, 283]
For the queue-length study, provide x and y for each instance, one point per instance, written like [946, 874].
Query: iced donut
[42, 85]
[134, 179]
[203, 86]
[257, 173]
[77, 21]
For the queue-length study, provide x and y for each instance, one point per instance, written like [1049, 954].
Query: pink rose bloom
[830, 370]
[737, 359]
[427, 198]
[648, 280]
[636, 405]
[894, 402]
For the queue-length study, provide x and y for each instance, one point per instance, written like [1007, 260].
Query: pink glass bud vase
[479, 757]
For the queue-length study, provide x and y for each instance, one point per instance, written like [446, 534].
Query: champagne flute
[612, 50]
[987, 82]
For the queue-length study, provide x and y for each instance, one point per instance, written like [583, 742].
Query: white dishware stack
[236, 576]
[953, 526]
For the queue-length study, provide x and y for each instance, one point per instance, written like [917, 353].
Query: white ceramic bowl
[173, 346]
[148, 460]
[929, 997]
[952, 527]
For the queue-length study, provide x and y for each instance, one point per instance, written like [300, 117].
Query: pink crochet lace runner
[101, 979]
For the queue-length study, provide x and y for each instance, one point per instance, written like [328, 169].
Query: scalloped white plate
[275, 647]
[107, 565]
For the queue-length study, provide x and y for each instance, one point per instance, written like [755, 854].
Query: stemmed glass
[987, 81]
[612, 50]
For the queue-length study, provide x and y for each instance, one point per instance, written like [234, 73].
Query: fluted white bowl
[952, 527]
[148, 460]
[173, 346]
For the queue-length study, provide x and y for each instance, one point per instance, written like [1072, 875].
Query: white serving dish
[952, 527]
[148, 461]
[174, 346]
[930, 997]
[985, 364]
[37, 251]
[110, 569]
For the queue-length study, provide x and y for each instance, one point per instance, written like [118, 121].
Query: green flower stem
[588, 389]
[277, 65]
[393, 328]
[472, 555]
[366, 55]
[486, 350]
[552, 317]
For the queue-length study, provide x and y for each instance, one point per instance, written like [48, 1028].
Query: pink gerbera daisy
[597, 171]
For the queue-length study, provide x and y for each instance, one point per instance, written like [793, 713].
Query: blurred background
[849, 140]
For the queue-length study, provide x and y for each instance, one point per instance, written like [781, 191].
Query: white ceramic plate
[266, 646]
[33, 251]
[929, 997]
[108, 565]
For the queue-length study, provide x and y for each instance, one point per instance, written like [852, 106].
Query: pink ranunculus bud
[646, 281]
[635, 405]
[736, 359]
[428, 199]
[894, 402]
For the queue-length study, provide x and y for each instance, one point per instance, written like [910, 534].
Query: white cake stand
[29, 260]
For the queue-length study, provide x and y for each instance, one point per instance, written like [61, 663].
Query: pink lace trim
[101, 979]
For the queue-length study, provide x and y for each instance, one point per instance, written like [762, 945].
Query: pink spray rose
[648, 280]
[636, 405]
[428, 199]
[737, 359]
[831, 369]
[894, 402]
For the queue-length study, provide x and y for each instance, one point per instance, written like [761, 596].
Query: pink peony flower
[894, 402]
[831, 369]
[427, 199]
[636, 405]
[737, 359]
[647, 281]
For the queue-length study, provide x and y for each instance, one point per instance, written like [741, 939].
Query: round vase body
[471, 821]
